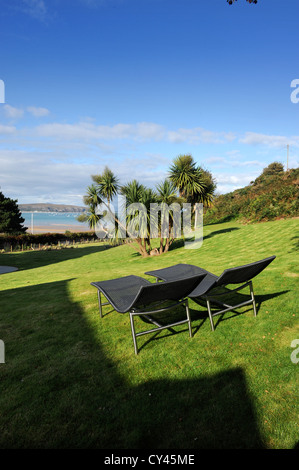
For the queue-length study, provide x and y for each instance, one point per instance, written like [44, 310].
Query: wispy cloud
[14, 113]
[143, 131]
[233, 162]
[199, 135]
[43, 177]
[7, 129]
[228, 183]
[38, 112]
[273, 141]
[58, 158]
[11, 112]
[35, 8]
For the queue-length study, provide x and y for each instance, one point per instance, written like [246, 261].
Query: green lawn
[72, 379]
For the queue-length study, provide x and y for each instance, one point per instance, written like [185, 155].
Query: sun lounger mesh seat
[140, 297]
[207, 288]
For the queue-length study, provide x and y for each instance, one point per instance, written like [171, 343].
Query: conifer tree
[11, 220]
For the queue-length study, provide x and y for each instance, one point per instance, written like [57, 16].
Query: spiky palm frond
[92, 198]
[185, 176]
[108, 184]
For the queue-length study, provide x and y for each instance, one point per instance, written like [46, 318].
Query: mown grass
[72, 379]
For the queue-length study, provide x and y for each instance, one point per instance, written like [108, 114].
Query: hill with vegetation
[273, 195]
[50, 208]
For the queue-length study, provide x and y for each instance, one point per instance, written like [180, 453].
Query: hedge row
[27, 239]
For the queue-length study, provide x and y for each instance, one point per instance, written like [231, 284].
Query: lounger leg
[210, 315]
[133, 333]
[252, 298]
[100, 303]
[189, 318]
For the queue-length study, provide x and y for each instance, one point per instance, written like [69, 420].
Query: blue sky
[133, 83]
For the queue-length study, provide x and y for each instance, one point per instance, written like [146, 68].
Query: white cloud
[54, 161]
[12, 113]
[7, 129]
[227, 183]
[142, 131]
[88, 130]
[38, 112]
[48, 177]
[252, 138]
[233, 162]
[199, 135]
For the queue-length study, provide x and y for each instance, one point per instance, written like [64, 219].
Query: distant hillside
[273, 195]
[50, 208]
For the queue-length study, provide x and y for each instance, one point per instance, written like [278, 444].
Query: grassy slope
[72, 380]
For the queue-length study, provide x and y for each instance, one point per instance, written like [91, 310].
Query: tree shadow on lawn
[220, 232]
[296, 243]
[34, 259]
[180, 242]
[59, 389]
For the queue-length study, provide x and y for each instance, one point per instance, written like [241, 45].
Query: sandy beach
[57, 228]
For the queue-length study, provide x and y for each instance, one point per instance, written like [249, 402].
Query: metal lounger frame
[228, 307]
[146, 314]
[159, 327]
[206, 289]
[139, 297]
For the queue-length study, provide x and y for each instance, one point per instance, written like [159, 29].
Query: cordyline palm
[92, 200]
[108, 184]
[190, 180]
[93, 218]
[166, 196]
[136, 193]
[185, 176]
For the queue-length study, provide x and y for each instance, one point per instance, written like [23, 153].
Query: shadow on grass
[219, 232]
[296, 243]
[35, 259]
[235, 299]
[222, 220]
[59, 389]
[179, 243]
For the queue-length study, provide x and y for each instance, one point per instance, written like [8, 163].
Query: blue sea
[38, 222]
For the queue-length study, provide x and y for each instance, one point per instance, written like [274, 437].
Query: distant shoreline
[46, 208]
[58, 228]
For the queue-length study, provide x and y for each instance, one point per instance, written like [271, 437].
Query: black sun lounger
[207, 288]
[140, 297]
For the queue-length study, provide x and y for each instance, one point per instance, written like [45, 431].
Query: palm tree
[167, 192]
[107, 184]
[191, 180]
[135, 194]
[92, 198]
[167, 197]
[185, 176]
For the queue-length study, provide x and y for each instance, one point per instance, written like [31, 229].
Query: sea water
[55, 220]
